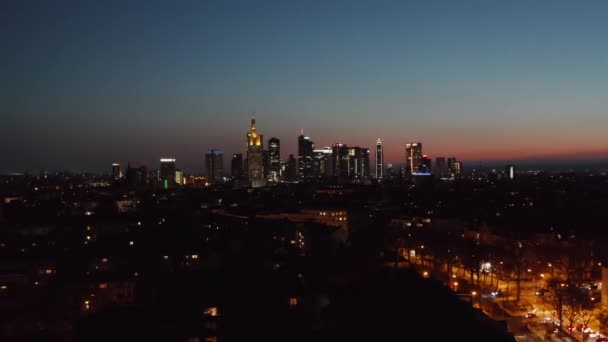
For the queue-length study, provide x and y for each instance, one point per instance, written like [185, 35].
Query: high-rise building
[510, 171]
[305, 156]
[214, 165]
[255, 166]
[322, 162]
[274, 151]
[266, 163]
[441, 168]
[425, 165]
[358, 162]
[379, 160]
[236, 169]
[179, 177]
[413, 157]
[166, 173]
[137, 176]
[340, 160]
[116, 171]
[454, 167]
[291, 170]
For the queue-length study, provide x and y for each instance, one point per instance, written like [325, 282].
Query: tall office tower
[441, 168]
[413, 157]
[321, 164]
[454, 167]
[340, 160]
[116, 171]
[137, 176]
[214, 165]
[274, 152]
[266, 163]
[305, 148]
[236, 166]
[391, 173]
[255, 166]
[166, 173]
[425, 164]
[179, 177]
[358, 162]
[510, 171]
[291, 170]
[379, 160]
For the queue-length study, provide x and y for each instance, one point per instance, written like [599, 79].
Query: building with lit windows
[166, 172]
[116, 171]
[413, 157]
[379, 160]
[274, 155]
[305, 156]
[236, 166]
[510, 172]
[214, 165]
[255, 165]
[322, 165]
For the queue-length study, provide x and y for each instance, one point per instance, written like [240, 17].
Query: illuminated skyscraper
[255, 166]
[214, 165]
[322, 162]
[274, 151]
[454, 167]
[510, 171]
[237, 166]
[413, 157]
[425, 164]
[305, 156]
[116, 171]
[358, 162]
[166, 173]
[379, 160]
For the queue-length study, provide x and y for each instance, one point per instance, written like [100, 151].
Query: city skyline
[91, 84]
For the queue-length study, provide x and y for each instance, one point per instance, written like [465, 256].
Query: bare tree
[558, 304]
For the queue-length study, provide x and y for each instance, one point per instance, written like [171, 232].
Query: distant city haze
[88, 83]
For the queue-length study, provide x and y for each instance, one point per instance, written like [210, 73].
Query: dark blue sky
[87, 83]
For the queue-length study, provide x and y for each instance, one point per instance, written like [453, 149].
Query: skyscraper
[214, 165]
[454, 167]
[116, 171]
[274, 151]
[166, 173]
[322, 162]
[291, 170]
[425, 164]
[340, 160]
[441, 169]
[255, 167]
[510, 171]
[358, 162]
[413, 157]
[237, 166]
[305, 156]
[379, 160]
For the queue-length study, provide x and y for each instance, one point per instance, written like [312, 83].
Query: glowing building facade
[255, 166]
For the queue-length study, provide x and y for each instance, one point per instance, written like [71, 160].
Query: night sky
[88, 83]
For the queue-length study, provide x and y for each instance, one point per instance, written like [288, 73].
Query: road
[529, 302]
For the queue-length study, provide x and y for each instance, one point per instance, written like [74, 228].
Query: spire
[253, 123]
[301, 131]
[379, 142]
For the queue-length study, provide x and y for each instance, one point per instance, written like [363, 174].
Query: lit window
[103, 286]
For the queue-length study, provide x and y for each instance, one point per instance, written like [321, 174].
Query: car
[582, 328]
[530, 315]
[541, 292]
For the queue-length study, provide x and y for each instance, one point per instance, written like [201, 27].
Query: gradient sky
[87, 83]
